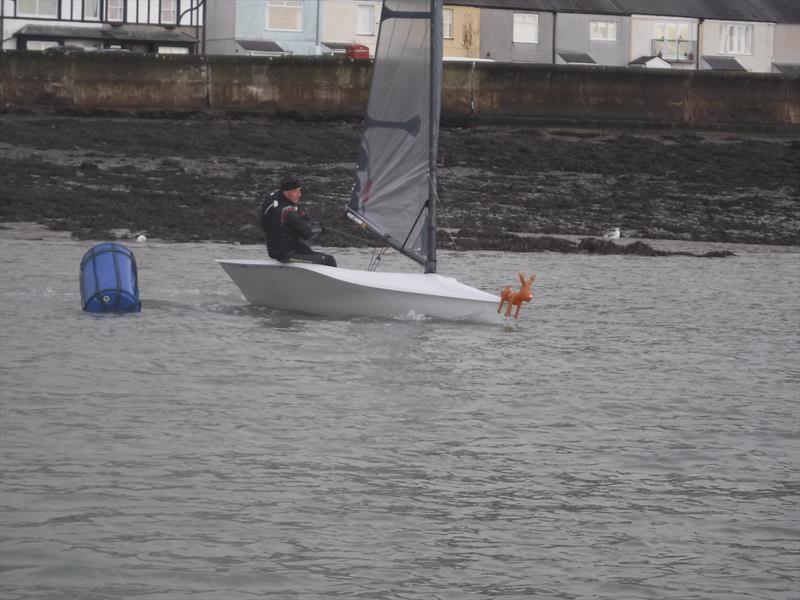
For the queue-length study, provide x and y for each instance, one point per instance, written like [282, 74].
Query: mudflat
[201, 176]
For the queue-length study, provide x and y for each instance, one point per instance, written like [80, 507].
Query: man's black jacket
[285, 226]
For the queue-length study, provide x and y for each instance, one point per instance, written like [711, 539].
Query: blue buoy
[108, 280]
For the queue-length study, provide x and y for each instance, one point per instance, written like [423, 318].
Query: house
[671, 38]
[347, 24]
[516, 35]
[689, 33]
[604, 38]
[761, 35]
[263, 27]
[141, 26]
[461, 30]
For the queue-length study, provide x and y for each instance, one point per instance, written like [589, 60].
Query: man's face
[293, 196]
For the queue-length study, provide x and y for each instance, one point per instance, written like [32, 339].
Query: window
[603, 30]
[114, 10]
[36, 45]
[447, 23]
[91, 9]
[37, 8]
[672, 32]
[285, 15]
[673, 41]
[526, 28]
[736, 39]
[366, 19]
[169, 11]
[172, 50]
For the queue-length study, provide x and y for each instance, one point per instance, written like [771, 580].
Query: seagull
[612, 234]
[141, 238]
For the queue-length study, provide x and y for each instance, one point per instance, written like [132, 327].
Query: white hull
[331, 291]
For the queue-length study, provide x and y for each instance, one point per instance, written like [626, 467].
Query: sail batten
[395, 185]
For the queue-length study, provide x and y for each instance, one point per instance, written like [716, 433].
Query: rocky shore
[196, 176]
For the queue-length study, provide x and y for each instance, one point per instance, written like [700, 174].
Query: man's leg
[317, 258]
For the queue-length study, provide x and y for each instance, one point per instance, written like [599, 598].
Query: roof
[642, 60]
[108, 34]
[577, 57]
[260, 46]
[770, 11]
[337, 45]
[787, 68]
[723, 63]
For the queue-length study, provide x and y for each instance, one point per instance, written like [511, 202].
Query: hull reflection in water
[348, 292]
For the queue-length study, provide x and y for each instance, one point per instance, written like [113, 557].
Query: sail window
[36, 8]
[526, 28]
[285, 15]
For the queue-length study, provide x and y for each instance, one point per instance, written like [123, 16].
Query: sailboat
[394, 196]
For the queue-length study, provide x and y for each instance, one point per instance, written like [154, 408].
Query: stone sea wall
[334, 88]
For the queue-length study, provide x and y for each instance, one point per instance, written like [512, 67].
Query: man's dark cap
[289, 183]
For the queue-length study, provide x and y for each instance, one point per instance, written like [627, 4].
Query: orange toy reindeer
[525, 294]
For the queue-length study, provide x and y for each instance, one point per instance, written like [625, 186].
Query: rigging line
[377, 255]
[442, 210]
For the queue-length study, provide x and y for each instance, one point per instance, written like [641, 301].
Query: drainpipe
[318, 40]
[697, 50]
[555, 16]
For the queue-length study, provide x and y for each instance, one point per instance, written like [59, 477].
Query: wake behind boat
[394, 196]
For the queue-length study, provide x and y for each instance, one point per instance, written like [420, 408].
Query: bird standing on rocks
[612, 234]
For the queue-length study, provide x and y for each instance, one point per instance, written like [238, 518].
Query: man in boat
[286, 226]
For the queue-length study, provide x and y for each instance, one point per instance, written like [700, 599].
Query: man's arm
[297, 225]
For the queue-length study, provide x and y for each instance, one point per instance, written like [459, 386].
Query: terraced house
[747, 35]
[142, 26]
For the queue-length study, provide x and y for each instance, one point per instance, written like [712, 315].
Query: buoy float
[109, 280]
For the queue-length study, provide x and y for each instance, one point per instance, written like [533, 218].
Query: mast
[435, 84]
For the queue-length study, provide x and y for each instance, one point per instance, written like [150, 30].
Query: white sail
[395, 191]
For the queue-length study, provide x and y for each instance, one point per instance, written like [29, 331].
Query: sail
[394, 195]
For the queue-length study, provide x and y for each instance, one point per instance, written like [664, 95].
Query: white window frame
[284, 5]
[365, 19]
[447, 23]
[91, 10]
[39, 8]
[526, 28]
[736, 38]
[169, 12]
[603, 31]
[115, 10]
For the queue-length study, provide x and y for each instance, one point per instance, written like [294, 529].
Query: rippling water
[634, 435]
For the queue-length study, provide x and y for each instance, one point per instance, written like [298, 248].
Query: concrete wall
[471, 91]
